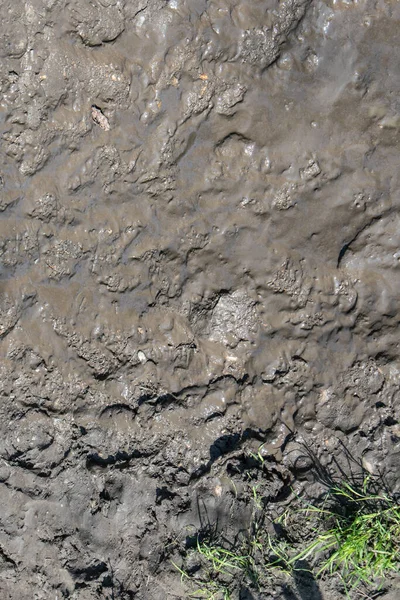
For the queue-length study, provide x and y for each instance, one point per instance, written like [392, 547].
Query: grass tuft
[354, 534]
[361, 538]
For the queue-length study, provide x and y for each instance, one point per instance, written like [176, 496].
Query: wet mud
[200, 254]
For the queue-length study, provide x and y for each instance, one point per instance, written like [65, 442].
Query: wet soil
[200, 255]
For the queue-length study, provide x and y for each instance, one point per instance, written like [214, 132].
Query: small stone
[99, 118]
[310, 171]
[142, 357]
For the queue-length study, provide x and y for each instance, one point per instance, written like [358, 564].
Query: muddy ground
[200, 255]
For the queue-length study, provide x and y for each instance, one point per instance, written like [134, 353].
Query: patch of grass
[221, 566]
[249, 560]
[224, 561]
[353, 534]
[212, 591]
[360, 536]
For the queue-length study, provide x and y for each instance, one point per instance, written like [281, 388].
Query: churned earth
[200, 262]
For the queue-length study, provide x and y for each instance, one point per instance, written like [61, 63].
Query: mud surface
[200, 250]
